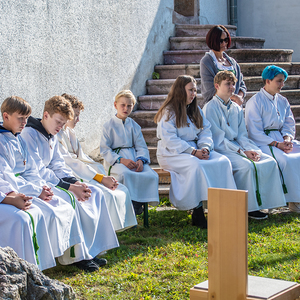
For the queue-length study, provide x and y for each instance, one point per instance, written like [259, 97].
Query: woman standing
[185, 149]
[218, 40]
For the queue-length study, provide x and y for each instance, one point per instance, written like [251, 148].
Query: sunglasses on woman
[226, 40]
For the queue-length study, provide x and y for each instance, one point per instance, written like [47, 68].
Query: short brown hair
[214, 35]
[127, 94]
[75, 102]
[15, 104]
[60, 105]
[224, 75]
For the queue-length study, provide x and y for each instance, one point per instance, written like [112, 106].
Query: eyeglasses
[226, 40]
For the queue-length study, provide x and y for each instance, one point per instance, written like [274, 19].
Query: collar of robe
[2, 130]
[36, 124]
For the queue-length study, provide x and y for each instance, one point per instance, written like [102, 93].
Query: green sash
[267, 132]
[258, 197]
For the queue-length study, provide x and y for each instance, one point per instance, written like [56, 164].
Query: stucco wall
[274, 20]
[213, 12]
[91, 49]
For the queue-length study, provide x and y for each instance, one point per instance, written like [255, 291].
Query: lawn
[165, 260]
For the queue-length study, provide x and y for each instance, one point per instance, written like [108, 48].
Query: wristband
[98, 177]
[119, 160]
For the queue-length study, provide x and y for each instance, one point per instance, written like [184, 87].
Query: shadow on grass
[282, 219]
[165, 227]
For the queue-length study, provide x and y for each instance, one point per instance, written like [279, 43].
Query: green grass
[167, 259]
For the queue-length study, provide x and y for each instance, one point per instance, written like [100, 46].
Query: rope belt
[258, 197]
[267, 132]
[72, 249]
[117, 151]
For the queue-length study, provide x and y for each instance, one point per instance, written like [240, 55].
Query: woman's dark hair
[214, 35]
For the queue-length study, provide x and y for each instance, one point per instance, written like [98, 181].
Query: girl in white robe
[122, 140]
[96, 227]
[271, 125]
[18, 168]
[187, 151]
[17, 229]
[117, 196]
[231, 139]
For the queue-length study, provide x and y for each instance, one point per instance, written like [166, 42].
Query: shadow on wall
[157, 41]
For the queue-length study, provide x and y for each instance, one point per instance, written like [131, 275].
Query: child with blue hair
[271, 126]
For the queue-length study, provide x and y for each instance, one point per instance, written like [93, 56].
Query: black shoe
[198, 218]
[257, 215]
[100, 261]
[86, 265]
[138, 207]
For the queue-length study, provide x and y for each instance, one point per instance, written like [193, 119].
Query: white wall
[274, 20]
[213, 12]
[91, 49]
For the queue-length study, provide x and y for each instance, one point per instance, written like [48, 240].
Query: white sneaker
[294, 206]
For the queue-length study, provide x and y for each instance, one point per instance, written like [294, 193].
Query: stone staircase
[186, 50]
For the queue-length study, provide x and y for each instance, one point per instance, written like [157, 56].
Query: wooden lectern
[228, 257]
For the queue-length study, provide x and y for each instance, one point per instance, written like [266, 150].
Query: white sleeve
[254, 123]
[105, 146]
[79, 168]
[289, 123]
[140, 145]
[167, 132]
[205, 136]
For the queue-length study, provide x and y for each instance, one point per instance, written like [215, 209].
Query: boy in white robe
[89, 203]
[18, 168]
[252, 170]
[126, 156]
[271, 125]
[23, 227]
[116, 195]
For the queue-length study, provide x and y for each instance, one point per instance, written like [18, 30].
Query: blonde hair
[75, 102]
[60, 105]
[176, 104]
[127, 94]
[224, 75]
[15, 104]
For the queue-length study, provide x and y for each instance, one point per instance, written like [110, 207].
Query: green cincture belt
[72, 250]
[116, 150]
[34, 239]
[258, 197]
[267, 132]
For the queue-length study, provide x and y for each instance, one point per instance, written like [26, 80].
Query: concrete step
[152, 153]
[145, 120]
[199, 30]
[241, 55]
[254, 83]
[164, 176]
[199, 43]
[150, 136]
[163, 190]
[163, 86]
[248, 69]
[153, 102]
[255, 69]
